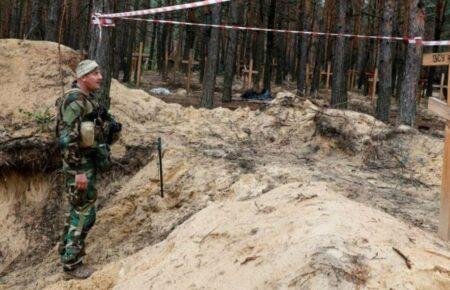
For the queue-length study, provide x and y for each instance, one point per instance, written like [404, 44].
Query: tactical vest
[90, 125]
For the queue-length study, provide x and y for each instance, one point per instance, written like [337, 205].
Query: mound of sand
[302, 236]
[259, 199]
[29, 76]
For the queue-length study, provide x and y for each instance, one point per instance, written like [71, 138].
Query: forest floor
[285, 194]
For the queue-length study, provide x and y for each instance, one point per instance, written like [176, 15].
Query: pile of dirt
[30, 77]
[303, 236]
[238, 184]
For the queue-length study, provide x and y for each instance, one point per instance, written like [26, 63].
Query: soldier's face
[92, 81]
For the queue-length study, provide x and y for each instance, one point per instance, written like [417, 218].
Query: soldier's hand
[81, 182]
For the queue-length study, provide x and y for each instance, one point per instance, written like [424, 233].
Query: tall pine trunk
[281, 42]
[209, 79]
[36, 31]
[385, 63]
[306, 24]
[339, 82]
[441, 8]
[411, 72]
[121, 40]
[189, 37]
[259, 47]
[101, 51]
[152, 45]
[206, 37]
[269, 47]
[230, 58]
[131, 36]
[319, 44]
[51, 30]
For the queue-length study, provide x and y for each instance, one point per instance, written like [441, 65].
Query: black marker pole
[160, 167]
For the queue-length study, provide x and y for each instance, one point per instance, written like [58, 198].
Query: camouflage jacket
[74, 108]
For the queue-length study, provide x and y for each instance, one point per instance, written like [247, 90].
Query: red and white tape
[106, 20]
[161, 9]
[410, 40]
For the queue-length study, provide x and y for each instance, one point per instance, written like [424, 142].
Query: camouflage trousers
[80, 216]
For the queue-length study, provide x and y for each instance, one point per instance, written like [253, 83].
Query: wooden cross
[135, 58]
[329, 74]
[249, 76]
[373, 86]
[309, 75]
[351, 80]
[179, 48]
[190, 62]
[442, 109]
[441, 87]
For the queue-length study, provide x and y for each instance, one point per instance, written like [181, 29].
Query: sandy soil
[291, 195]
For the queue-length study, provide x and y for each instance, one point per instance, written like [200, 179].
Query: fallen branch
[249, 259]
[407, 260]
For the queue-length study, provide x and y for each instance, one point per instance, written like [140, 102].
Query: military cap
[86, 67]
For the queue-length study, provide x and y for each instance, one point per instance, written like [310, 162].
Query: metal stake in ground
[161, 183]
[442, 109]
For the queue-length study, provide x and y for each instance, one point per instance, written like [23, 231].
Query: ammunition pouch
[87, 132]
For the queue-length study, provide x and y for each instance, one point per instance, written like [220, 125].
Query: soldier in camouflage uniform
[82, 128]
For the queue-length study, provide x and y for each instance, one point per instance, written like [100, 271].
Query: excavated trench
[32, 205]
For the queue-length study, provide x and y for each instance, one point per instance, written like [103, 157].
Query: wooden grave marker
[329, 74]
[442, 109]
[249, 76]
[441, 87]
[135, 60]
[373, 86]
[190, 62]
[351, 79]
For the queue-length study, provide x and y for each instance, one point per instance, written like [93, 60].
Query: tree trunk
[411, 72]
[269, 47]
[51, 31]
[209, 79]
[131, 37]
[36, 31]
[320, 53]
[141, 35]
[281, 42]
[14, 23]
[189, 37]
[259, 47]
[206, 36]
[152, 45]
[441, 7]
[305, 24]
[85, 35]
[339, 82]
[230, 58]
[400, 49]
[385, 64]
[101, 51]
[121, 41]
